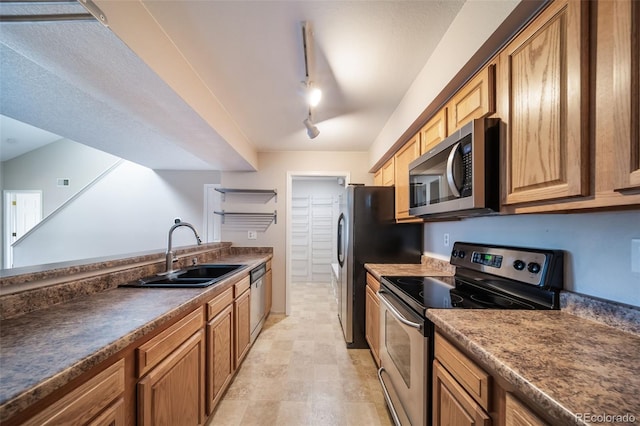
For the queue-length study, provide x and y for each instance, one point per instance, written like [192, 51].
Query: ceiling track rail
[94, 12]
[66, 17]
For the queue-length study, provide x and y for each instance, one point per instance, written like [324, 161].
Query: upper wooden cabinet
[625, 15]
[543, 85]
[377, 178]
[409, 152]
[388, 173]
[434, 131]
[476, 99]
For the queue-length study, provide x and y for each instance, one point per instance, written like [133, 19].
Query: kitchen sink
[197, 276]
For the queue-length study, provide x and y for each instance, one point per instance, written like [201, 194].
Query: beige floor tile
[299, 372]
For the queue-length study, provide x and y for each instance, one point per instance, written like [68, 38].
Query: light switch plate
[635, 255]
[252, 235]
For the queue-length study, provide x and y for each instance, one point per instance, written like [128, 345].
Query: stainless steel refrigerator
[367, 233]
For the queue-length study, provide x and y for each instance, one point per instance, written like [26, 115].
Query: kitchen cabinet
[518, 414]
[173, 389]
[377, 178]
[451, 404]
[372, 317]
[388, 173]
[476, 99]
[625, 17]
[460, 388]
[220, 360]
[543, 83]
[434, 131]
[409, 152]
[242, 318]
[96, 402]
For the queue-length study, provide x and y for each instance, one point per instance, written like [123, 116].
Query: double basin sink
[202, 275]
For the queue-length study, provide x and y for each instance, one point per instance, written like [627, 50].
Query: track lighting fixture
[312, 130]
[312, 92]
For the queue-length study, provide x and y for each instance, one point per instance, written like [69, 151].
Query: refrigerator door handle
[340, 239]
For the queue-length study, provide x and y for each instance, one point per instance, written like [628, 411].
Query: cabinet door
[518, 414]
[409, 152]
[476, 99]
[268, 292]
[372, 323]
[242, 333]
[626, 91]
[173, 391]
[377, 178]
[88, 400]
[544, 78]
[434, 131]
[388, 173]
[220, 362]
[114, 415]
[451, 404]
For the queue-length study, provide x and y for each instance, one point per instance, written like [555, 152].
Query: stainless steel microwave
[459, 176]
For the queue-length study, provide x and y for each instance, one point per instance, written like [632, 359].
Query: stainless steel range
[487, 277]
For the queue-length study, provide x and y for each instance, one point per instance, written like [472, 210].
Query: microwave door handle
[450, 178]
[395, 312]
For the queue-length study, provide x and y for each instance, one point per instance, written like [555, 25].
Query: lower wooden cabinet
[220, 360]
[452, 405]
[372, 317]
[96, 402]
[242, 318]
[172, 393]
[518, 414]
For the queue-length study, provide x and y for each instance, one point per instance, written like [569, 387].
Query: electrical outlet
[635, 255]
[446, 240]
[252, 235]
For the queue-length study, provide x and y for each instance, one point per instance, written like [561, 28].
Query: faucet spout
[169, 256]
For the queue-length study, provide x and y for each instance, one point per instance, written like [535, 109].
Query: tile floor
[299, 372]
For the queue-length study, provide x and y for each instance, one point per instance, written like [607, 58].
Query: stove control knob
[533, 267]
[461, 254]
[519, 265]
[454, 253]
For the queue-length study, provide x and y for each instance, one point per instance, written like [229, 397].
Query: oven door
[403, 359]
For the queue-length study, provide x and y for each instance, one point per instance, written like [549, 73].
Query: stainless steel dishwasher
[257, 300]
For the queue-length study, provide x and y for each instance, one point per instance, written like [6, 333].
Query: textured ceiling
[80, 81]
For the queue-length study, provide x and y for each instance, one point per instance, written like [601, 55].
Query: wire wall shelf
[240, 221]
[255, 195]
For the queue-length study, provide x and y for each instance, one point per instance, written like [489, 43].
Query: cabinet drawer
[373, 283]
[518, 414]
[221, 301]
[242, 286]
[156, 349]
[471, 377]
[86, 401]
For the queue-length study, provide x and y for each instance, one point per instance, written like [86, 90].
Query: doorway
[312, 209]
[22, 211]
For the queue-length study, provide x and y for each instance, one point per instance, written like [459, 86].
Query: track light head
[312, 130]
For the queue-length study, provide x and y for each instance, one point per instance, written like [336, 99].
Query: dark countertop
[564, 364]
[43, 350]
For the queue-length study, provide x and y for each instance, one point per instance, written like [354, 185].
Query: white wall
[40, 168]
[598, 246]
[272, 173]
[473, 25]
[128, 211]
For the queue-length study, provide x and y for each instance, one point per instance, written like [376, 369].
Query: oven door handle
[395, 312]
[387, 397]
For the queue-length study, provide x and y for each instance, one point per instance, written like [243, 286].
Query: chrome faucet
[170, 258]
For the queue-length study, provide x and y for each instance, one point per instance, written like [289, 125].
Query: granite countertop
[45, 349]
[562, 363]
[428, 268]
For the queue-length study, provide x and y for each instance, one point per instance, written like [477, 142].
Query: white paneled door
[23, 211]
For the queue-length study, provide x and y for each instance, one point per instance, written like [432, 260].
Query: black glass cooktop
[422, 293]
